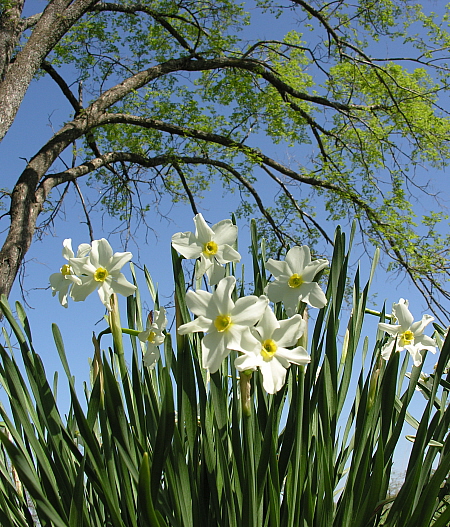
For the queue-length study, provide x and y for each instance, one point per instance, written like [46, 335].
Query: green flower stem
[295, 488]
[250, 509]
[126, 331]
[116, 330]
[377, 313]
[245, 386]
[97, 368]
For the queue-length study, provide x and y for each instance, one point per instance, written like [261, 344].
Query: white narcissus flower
[271, 355]
[226, 324]
[62, 281]
[101, 270]
[153, 336]
[294, 280]
[407, 334]
[211, 244]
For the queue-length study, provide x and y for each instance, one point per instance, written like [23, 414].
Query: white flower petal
[277, 291]
[310, 271]
[82, 266]
[160, 318]
[278, 268]
[267, 325]
[425, 342]
[83, 250]
[203, 232]
[198, 324]
[117, 261]
[402, 314]
[311, 294]
[62, 297]
[203, 265]
[61, 286]
[297, 355]
[289, 331]
[391, 329]
[198, 302]
[222, 295]
[240, 338]
[291, 300]
[249, 309]
[214, 351]
[247, 361]
[101, 253]
[151, 356]
[298, 258]
[186, 244]
[418, 327]
[122, 286]
[215, 272]
[58, 281]
[274, 375]
[227, 254]
[388, 348]
[80, 292]
[104, 292]
[414, 351]
[225, 232]
[72, 278]
[67, 249]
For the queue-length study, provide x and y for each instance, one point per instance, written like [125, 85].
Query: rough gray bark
[10, 30]
[54, 22]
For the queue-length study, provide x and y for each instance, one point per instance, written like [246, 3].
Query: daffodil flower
[153, 336]
[407, 334]
[271, 354]
[62, 281]
[294, 280]
[101, 270]
[211, 244]
[226, 324]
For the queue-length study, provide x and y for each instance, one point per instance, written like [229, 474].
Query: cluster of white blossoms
[407, 334]
[248, 325]
[95, 267]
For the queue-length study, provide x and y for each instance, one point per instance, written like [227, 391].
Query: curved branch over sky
[181, 95]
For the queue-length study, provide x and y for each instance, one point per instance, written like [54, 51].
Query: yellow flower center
[100, 274]
[268, 350]
[66, 269]
[151, 337]
[406, 338]
[295, 281]
[210, 248]
[223, 323]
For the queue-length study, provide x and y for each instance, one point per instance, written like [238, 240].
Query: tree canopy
[169, 97]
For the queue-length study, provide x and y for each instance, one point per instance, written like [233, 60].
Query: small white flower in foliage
[62, 281]
[407, 334]
[271, 354]
[211, 244]
[294, 280]
[101, 271]
[153, 336]
[226, 324]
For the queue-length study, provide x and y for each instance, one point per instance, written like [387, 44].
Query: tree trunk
[56, 20]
